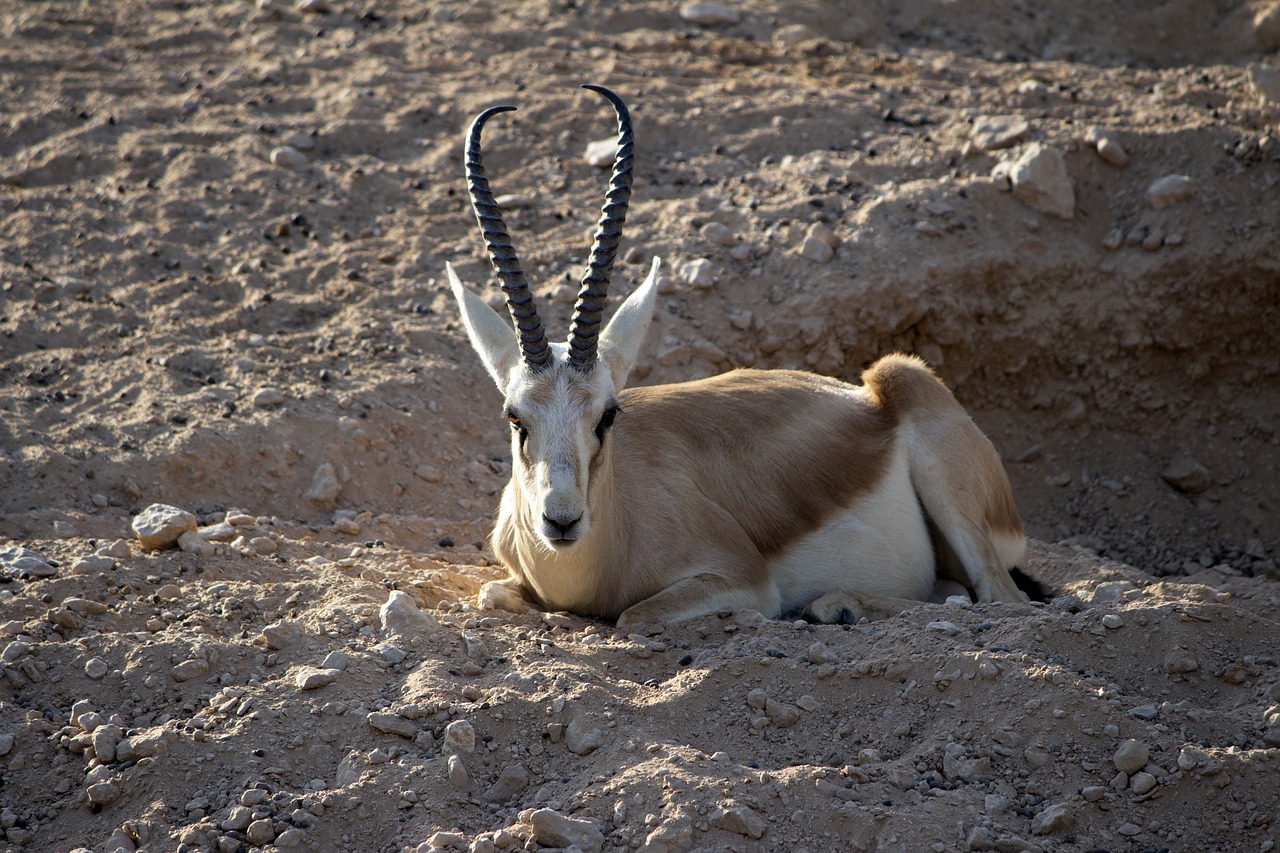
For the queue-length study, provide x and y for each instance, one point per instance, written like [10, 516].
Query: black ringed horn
[533, 342]
[589, 309]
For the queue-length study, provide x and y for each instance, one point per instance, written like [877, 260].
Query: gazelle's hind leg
[957, 474]
[847, 607]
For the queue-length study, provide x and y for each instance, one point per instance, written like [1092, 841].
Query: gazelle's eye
[518, 426]
[606, 421]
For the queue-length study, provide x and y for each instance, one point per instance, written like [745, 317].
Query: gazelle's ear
[621, 340]
[492, 336]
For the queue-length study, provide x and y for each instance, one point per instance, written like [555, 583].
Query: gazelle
[773, 490]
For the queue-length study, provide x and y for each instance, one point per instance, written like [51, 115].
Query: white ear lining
[492, 335]
[622, 338]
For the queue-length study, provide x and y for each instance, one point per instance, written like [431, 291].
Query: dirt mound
[222, 237]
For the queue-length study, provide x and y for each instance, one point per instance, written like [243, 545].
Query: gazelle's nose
[560, 529]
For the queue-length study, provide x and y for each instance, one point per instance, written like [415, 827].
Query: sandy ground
[271, 348]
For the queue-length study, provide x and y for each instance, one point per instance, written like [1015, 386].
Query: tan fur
[700, 486]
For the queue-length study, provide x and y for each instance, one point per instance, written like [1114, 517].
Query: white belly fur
[879, 545]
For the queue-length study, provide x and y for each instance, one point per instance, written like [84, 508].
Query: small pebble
[1170, 189]
[96, 669]
[265, 398]
[392, 724]
[1131, 757]
[1051, 819]
[781, 714]
[400, 615]
[260, 832]
[699, 273]
[991, 133]
[287, 157]
[1142, 783]
[1187, 475]
[816, 250]
[709, 14]
[719, 234]
[582, 739]
[601, 153]
[458, 775]
[1039, 177]
[159, 526]
[313, 679]
[191, 542]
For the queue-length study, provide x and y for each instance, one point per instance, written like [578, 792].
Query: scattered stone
[428, 473]
[823, 232]
[1040, 180]
[1187, 475]
[511, 781]
[740, 820]
[392, 724]
[324, 486]
[159, 526]
[278, 635]
[291, 837]
[261, 832]
[96, 669]
[1265, 79]
[698, 273]
[1170, 189]
[602, 152]
[400, 615]
[719, 234]
[816, 250]
[191, 542]
[1180, 662]
[582, 740]
[1129, 829]
[336, 659]
[948, 628]
[991, 133]
[265, 398]
[458, 775]
[1054, 818]
[1142, 783]
[1107, 146]
[757, 699]
[238, 819]
[709, 14]
[1112, 621]
[103, 793]
[19, 562]
[674, 835]
[1131, 757]
[552, 829]
[189, 669]
[6, 743]
[390, 654]
[93, 564]
[980, 839]
[313, 679]
[287, 157]
[1145, 712]
[792, 35]
[781, 714]
[459, 737]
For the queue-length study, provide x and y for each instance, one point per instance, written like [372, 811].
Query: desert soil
[223, 227]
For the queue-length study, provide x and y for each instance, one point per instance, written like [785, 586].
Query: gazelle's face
[560, 421]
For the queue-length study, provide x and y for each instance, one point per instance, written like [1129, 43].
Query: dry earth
[271, 348]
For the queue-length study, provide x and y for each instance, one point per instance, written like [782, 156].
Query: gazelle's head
[560, 399]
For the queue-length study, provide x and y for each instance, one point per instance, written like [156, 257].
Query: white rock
[324, 486]
[400, 615]
[159, 526]
[191, 542]
[699, 273]
[1170, 189]
[265, 398]
[459, 737]
[602, 152]
[300, 141]
[1112, 151]
[313, 679]
[336, 659]
[392, 724]
[103, 793]
[552, 829]
[458, 775]
[709, 14]
[718, 233]
[280, 634]
[1040, 180]
[1051, 819]
[389, 653]
[1266, 81]
[261, 832]
[792, 35]
[991, 133]
[18, 562]
[740, 820]
[1142, 783]
[287, 157]
[816, 250]
[582, 739]
[1131, 757]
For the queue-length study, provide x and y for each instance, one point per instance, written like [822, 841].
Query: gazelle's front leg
[696, 595]
[506, 594]
[847, 607]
